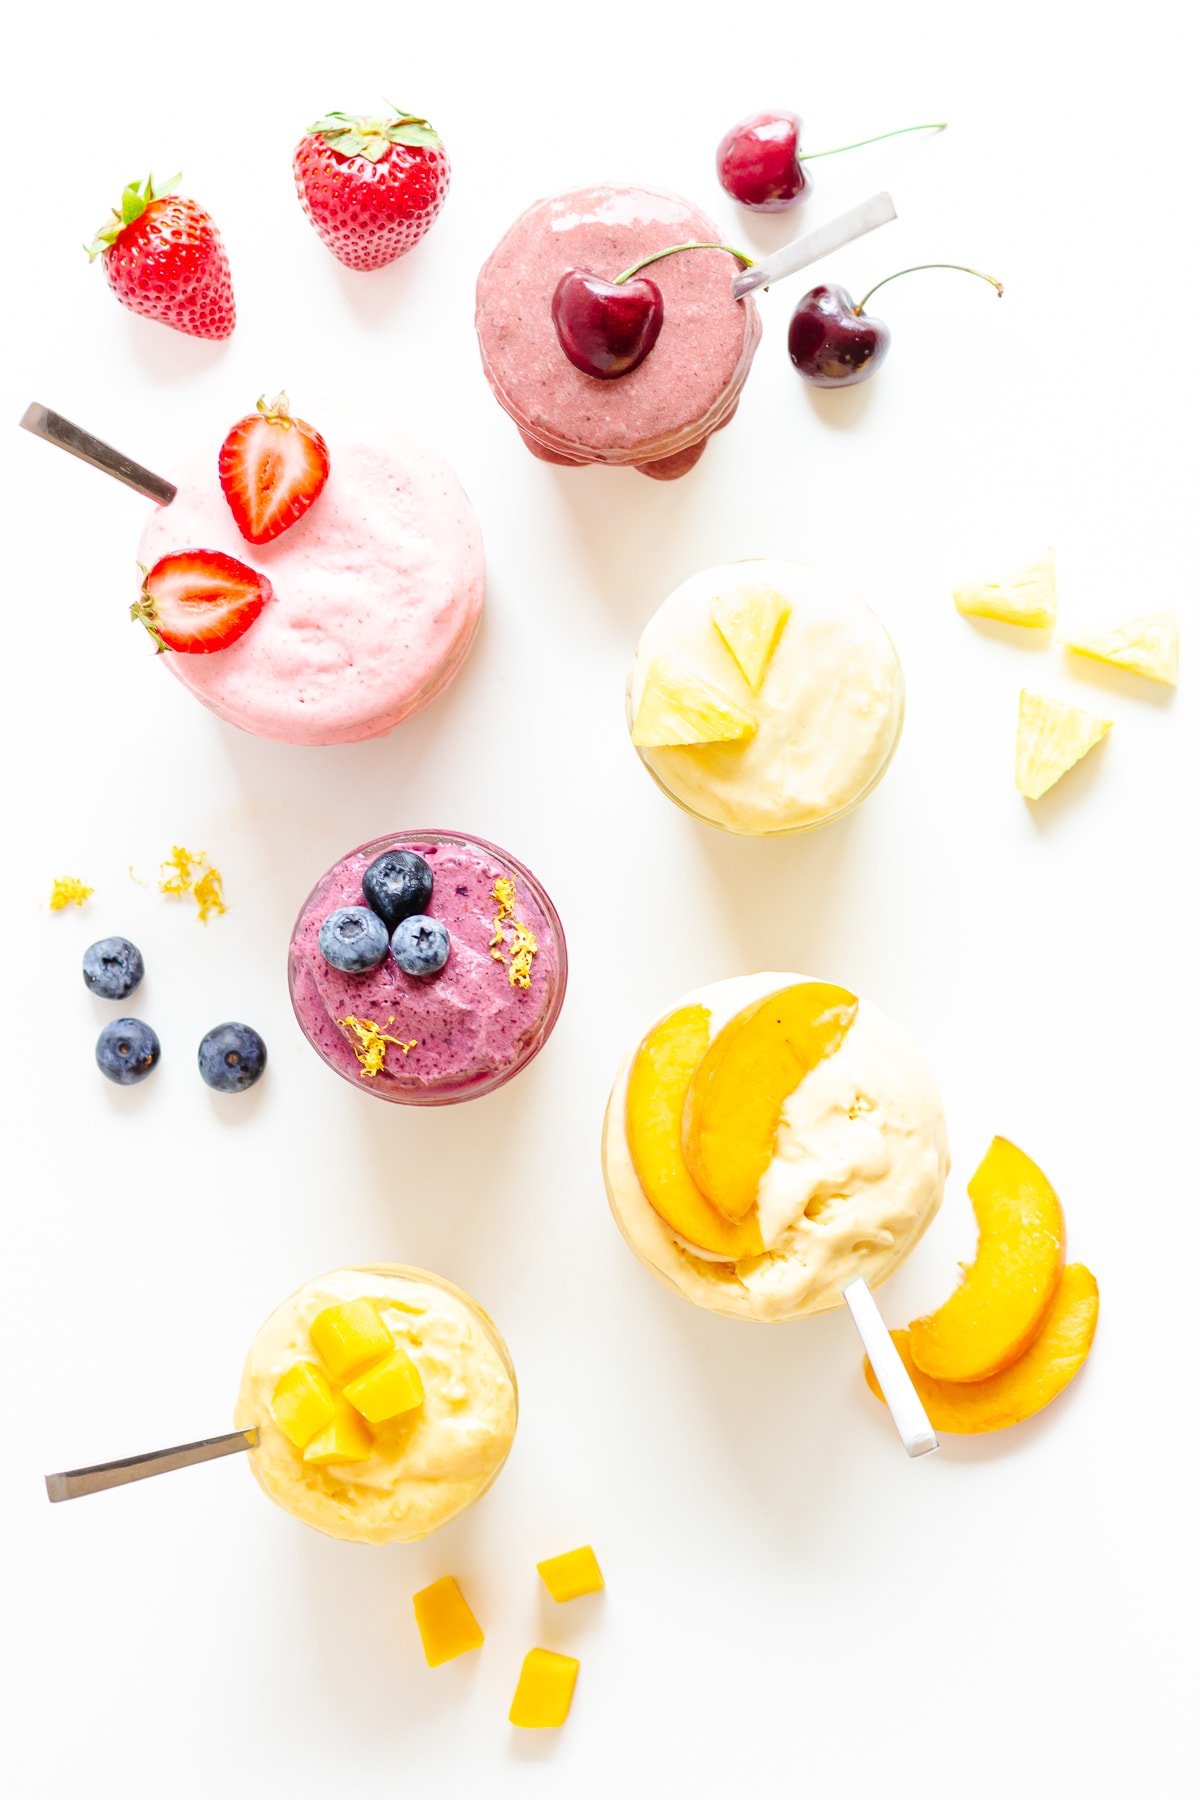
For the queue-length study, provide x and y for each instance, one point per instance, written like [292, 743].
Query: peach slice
[1054, 1358]
[666, 1061]
[735, 1098]
[995, 1313]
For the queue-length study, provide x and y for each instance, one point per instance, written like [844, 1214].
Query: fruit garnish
[571, 1575]
[68, 890]
[397, 884]
[353, 939]
[387, 1389]
[303, 1403]
[679, 705]
[997, 1310]
[750, 623]
[199, 601]
[735, 1098]
[1051, 738]
[1147, 646]
[346, 1438]
[231, 1057]
[163, 257]
[1027, 596]
[371, 1042]
[371, 187]
[271, 468]
[521, 947]
[190, 872]
[545, 1689]
[1054, 1358]
[348, 1336]
[760, 163]
[834, 342]
[127, 1050]
[421, 946]
[112, 968]
[659, 1077]
[606, 328]
[446, 1623]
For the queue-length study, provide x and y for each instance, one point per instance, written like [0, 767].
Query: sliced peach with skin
[995, 1313]
[1054, 1358]
[736, 1096]
[666, 1061]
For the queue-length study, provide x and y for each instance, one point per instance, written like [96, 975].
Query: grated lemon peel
[68, 890]
[190, 872]
[520, 952]
[371, 1048]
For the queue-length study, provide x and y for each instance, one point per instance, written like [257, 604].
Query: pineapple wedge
[680, 706]
[1027, 597]
[1051, 738]
[750, 623]
[1147, 646]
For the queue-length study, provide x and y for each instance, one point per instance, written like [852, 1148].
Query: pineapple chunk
[387, 1388]
[345, 1439]
[445, 1621]
[349, 1336]
[573, 1573]
[751, 623]
[302, 1403]
[1147, 646]
[1026, 597]
[680, 706]
[1051, 738]
[544, 1690]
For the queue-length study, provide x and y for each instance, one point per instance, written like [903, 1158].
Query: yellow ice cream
[420, 1467]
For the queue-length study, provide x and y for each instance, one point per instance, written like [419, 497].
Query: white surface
[1029, 1594]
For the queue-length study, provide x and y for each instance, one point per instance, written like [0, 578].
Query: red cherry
[831, 342]
[757, 161]
[606, 327]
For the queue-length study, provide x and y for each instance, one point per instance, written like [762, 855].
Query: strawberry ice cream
[378, 591]
[659, 416]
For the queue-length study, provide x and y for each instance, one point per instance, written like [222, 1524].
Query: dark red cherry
[831, 342]
[606, 327]
[757, 161]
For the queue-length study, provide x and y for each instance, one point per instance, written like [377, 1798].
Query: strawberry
[163, 257]
[272, 467]
[372, 187]
[199, 600]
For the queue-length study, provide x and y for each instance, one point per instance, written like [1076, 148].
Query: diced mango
[445, 1621]
[1051, 738]
[544, 1690]
[751, 623]
[348, 1336]
[346, 1438]
[387, 1388]
[572, 1574]
[666, 1060]
[679, 705]
[302, 1403]
[1028, 597]
[1147, 646]
[736, 1096]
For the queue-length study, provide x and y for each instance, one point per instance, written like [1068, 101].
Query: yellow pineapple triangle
[1027, 597]
[1051, 738]
[1146, 646]
[751, 622]
[679, 705]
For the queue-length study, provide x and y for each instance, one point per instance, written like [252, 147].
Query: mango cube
[1051, 738]
[1028, 597]
[303, 1403]
[349, 1336]
[544, 1690]
[445, 1621]
[345, 1439]
[387, 1388]
[679, 705]
[573, 1573]
[751, 624]
[1147, 646]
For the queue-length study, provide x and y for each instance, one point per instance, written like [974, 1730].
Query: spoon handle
[72, 1484]
[903, 1402]
[51, 426]
[868, 215]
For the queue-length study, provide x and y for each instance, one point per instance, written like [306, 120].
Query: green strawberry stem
[137, 196]
[810, 155]
[355, 134]
[747, 262]
[916, 269]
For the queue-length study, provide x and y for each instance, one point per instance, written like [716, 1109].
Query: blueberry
[398, 884]
[112, 968]
[421, 945]
[353, 939]
[231, 1057]
[126, 1051]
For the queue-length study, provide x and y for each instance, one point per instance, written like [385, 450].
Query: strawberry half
[272, 468]
[372, 187]
[199, 600]
[163, 257]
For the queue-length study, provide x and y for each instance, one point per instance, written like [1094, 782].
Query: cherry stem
[747, 262]
[809, 155]
[916, 269]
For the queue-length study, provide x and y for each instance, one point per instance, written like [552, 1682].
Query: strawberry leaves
[351, 135]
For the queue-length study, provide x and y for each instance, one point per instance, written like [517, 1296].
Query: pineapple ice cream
[765, 697]
[385, 1403]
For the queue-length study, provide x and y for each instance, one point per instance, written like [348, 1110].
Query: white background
[791, 1605]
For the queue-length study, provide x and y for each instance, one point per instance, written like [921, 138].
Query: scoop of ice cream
[424, 1466]
[859, 1164]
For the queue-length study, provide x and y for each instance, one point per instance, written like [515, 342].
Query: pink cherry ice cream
[659, 416]
[377, 592]
[433, 1039]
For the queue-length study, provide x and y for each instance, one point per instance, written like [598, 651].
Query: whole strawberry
[163, 257]
[372, 187]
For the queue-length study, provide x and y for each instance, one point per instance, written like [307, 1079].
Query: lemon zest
[372, 1044]
[68, 890]
[190, 872]
[518, 954]
[209, 894]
